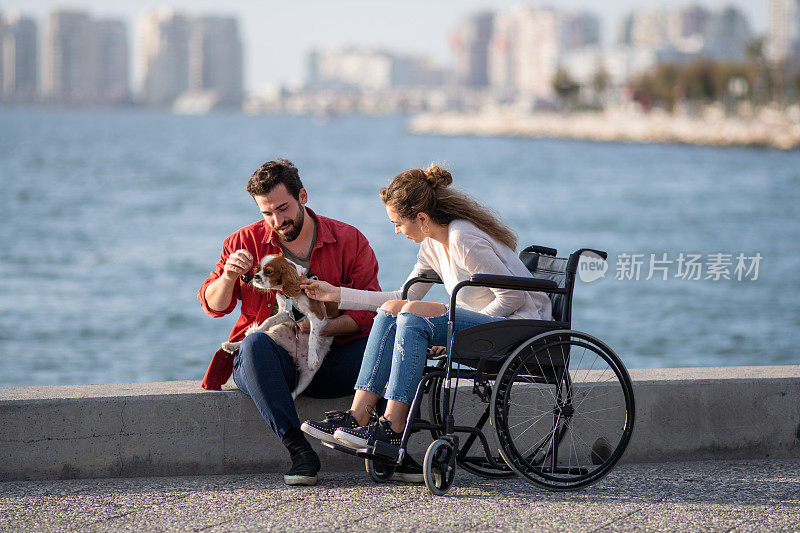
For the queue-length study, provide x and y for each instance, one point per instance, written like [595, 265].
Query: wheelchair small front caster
[379, 472]
[439, 467]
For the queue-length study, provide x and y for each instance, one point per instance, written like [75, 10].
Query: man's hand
[219, 292]
[238, 263]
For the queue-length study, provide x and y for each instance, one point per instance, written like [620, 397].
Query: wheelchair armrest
[428, 276]
[513, 282]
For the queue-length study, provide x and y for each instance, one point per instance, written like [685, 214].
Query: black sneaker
[409, 471]
[324, 429]
[305, 466]
[361, 437]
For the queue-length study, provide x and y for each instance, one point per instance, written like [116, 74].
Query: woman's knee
[427, 309]
[393, 306]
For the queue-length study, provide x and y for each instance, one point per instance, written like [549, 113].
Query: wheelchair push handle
[574, 257]
[543, 250]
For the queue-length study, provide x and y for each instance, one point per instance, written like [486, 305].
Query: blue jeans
[265, 372]
[397, 349]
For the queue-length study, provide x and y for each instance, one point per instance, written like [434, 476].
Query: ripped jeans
[397, 349]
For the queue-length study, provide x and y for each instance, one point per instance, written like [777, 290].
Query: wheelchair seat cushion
[497, 340]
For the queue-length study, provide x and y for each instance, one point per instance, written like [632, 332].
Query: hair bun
[438, 177]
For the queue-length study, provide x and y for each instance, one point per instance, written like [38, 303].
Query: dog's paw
[231, 347]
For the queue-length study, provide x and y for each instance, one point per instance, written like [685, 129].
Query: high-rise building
[164, 43]
[579, 30]
[693, 20]
[680, 35]
[191, 57]
[19, 53]
[783, 36]
[651, 29]
[470, 44]
[68, 58]
[687, 29]
[529, 44]
[85, 61]
[536, 54]
[727, 35]
[113, 80]
[215, 58]
[500, 68]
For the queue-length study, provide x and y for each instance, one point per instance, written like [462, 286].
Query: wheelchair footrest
[385, 453]
[341, 448]
[385, 450]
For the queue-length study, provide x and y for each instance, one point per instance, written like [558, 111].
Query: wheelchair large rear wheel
[563, 409]
[478, 452]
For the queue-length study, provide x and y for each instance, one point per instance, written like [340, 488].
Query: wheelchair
[538, 399]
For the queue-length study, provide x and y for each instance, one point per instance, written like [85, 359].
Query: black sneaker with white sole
[305, 466]
[409, 471]
[325, 428]
[361, 437]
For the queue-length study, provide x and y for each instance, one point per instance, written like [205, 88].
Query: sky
[278, 34]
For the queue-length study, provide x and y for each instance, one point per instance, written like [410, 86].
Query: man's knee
[257, 344]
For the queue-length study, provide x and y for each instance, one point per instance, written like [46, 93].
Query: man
[335, 252]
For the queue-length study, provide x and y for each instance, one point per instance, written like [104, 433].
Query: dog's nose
[246, 278]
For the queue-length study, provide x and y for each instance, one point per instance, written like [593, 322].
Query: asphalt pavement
[746, 495]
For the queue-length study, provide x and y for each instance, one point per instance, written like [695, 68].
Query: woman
[458, 237]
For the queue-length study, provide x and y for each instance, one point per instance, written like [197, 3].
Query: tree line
[704, 81]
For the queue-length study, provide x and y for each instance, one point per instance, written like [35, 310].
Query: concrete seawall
[175, 428]
[770, 130]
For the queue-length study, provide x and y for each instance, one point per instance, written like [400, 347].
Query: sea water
[111, 220]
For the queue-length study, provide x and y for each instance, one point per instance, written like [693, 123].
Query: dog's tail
[231, 347]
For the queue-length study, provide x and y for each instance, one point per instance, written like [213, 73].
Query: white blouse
[472, 251]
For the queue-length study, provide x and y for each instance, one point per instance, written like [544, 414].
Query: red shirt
[341, 256]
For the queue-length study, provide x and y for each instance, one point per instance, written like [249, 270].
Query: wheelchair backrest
[543, 264]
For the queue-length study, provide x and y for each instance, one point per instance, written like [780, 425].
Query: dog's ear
[290, 280]
[331, 309]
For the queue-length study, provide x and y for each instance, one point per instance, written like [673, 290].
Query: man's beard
[291, 229]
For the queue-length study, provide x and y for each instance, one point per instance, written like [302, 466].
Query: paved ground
[706, 496]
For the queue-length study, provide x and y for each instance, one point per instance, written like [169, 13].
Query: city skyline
[275, 53]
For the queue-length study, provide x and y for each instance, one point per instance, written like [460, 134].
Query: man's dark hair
[273, 173]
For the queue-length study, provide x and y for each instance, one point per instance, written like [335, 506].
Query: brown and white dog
[276, 273]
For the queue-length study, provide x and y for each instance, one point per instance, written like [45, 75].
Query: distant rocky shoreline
[769, 130]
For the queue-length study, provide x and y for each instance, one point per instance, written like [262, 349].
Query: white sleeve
[418, 290]
[360, 300]
[480, 258]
